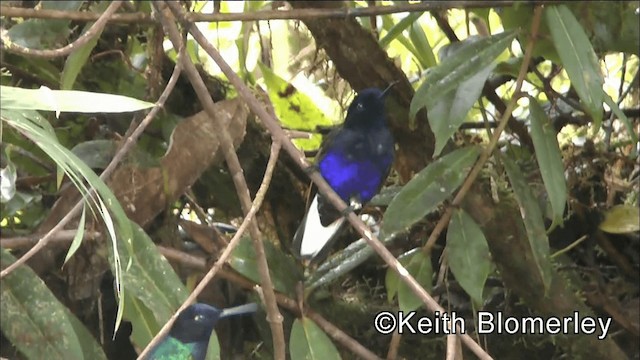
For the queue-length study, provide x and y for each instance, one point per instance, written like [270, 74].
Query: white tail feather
[315, 235]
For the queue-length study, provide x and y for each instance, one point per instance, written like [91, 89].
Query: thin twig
[93, 31]
[333, 331]
[63, 236]
[274, 318]
[488, 150]
[276, 131]
[129, 142]
[257, 202]
[394, 345]
[294, 14]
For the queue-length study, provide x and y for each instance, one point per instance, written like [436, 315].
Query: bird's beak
[386, 91]
[239, 310]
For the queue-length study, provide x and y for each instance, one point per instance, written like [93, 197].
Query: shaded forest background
[514, 188]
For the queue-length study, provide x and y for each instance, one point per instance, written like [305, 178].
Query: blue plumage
[355, 159]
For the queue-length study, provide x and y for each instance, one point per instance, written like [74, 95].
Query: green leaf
[143, 322]
[392, 280]
[309, 342]
[35, 322]
[285, 274]
[621, 219]
[519, 18]
[446, 116]
[44, 33]
[578, 58]
[533, 221]
[90, 347]
[294, 109]
[67, 101]
[397, 29]
[30, 124]
[450, 74]
[621, 116]
[428, 189]
[76, 60]
[96, 153]
[77, 238]
[468, 254]
[424, 51]
[549, 159]
[213, 349]
[150, 278]
[419, 266]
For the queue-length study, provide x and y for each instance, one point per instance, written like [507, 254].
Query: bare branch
[93, 31]
[274, 316]
[63, 236]
[296, 14]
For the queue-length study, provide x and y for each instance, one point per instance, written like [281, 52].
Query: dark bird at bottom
[188, 338]
[355, 160]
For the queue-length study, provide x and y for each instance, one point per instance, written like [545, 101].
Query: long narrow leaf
[67, 101]
[532, 218]
[451, 73]
[578, 58]
[428, 189]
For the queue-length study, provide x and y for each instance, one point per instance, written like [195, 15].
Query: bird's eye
[359, 107]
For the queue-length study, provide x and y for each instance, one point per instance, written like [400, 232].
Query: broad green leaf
[143, 322]
[419, 266]
[621, 219]
[96, 153]
[309, 342]
[446, 116]
[451, 73]
[578, 58]
[533, 221]
[67, 101]
[285, 274]
[468, 254]
[35, 322]
[385, 195]
[44, 33]
[213, 349]
[428, 189]
[90, 347]
[520, 18]
[549, 159]
[294, 109]
[150, 278]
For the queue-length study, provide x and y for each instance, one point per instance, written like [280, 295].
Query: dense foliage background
[514, 189]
